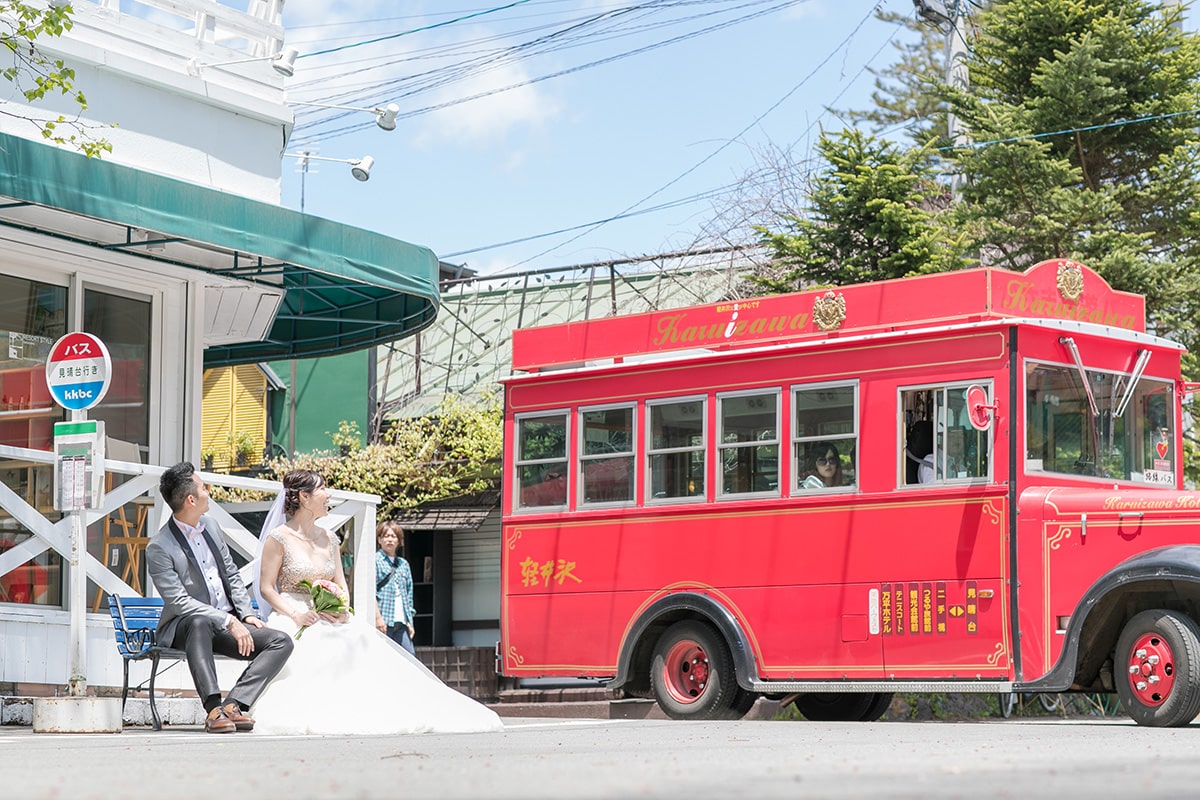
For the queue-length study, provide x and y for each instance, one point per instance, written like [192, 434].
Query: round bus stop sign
[78, 371]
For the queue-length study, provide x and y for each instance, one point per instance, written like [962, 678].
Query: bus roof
[1057, 289]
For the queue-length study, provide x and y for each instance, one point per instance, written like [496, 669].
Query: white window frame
[585, 459]
[797, 439]
[648, 482]
[939, 427]
[721, 447]
[518, 463]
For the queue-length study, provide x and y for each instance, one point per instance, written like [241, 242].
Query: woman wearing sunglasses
[824, 468]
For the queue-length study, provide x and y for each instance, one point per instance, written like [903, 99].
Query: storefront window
[123, 324]
[32, 316]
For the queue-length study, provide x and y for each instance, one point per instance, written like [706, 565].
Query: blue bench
[136, 622]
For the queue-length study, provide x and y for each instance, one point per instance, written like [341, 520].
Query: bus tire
[1158, 669]
[743, 702]
[838, 706]
[691, 674]
[877, 708]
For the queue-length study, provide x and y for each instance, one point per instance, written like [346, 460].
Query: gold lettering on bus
[535, 572]
[1118, 503]
[673, 329]
[1018, 298]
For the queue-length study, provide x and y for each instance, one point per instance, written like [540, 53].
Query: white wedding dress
[350, 679]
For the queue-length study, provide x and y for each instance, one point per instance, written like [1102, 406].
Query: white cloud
[490, 118]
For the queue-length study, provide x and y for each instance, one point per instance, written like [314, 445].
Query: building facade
[174, 250]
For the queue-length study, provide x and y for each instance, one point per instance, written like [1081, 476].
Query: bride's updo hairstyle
[295, 482]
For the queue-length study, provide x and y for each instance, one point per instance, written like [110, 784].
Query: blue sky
[677, 121]
[570, 150]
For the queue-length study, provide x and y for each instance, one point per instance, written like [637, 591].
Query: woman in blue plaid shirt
[394, 612]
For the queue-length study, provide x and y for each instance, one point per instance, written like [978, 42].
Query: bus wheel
[838, 706]
[877, 708]
[692, 674]
[1158, 655]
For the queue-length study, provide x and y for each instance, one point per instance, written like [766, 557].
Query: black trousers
[200, 641]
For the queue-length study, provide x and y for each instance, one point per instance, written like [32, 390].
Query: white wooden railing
[352, 515]
[258, 30]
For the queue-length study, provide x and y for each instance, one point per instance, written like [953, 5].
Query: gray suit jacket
[180, 583]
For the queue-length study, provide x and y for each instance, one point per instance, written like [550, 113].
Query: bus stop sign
[78, 371]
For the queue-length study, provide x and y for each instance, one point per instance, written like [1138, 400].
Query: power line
[1064, 131]
[441, 76]
[726, 144]
[414, 30]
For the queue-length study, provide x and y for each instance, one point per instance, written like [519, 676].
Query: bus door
[943, 612]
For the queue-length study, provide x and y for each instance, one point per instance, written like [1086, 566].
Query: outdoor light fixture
[385, 116]
[283, 62]
[360, 168]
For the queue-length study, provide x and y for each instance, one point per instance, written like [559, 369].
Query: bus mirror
[979, 410]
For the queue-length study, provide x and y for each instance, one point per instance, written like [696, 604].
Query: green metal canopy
[344, 288]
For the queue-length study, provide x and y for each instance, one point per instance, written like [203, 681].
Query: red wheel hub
[686, 671]
[1151, 669]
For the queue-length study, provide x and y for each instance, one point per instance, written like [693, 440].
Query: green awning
[345, 288]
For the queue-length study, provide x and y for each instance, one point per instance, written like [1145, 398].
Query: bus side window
[824, 437]
[939, 443]
[541, 460]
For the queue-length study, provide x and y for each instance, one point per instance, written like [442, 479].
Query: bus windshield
[1113, 426]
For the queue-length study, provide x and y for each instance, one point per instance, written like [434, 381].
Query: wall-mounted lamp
[283, 62]
[385, 116]
[360, 168]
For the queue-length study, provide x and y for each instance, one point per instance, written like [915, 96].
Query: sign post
[78, 372]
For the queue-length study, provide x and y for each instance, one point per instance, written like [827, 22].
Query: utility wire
[1100, 126]
[315, 137]
[344, 47]
[595, 226]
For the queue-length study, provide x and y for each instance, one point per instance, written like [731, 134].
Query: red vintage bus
[963, 482]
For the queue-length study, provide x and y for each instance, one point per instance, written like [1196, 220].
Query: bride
[370, 684]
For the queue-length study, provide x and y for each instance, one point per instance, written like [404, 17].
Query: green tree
[907, 92]
[872, 215]
[35, 76]
[1083, 115]
[417, 460]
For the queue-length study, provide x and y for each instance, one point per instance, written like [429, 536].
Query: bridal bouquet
[326, 596]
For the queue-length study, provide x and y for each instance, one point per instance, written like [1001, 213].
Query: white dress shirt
[209, 566]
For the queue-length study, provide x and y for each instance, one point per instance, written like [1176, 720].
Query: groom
[206, 608]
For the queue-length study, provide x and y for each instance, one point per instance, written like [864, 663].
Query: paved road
[624, 758]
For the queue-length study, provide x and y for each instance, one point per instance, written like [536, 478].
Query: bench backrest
[136, 622]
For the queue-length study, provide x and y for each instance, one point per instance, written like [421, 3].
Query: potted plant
[208, 456]
[243, 446]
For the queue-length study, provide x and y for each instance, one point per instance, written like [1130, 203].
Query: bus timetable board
[964, 482]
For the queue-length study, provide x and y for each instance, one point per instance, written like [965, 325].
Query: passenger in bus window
[824, 468]
[918, 453]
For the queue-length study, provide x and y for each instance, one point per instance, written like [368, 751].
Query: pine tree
[869, 219]
[1083, 118]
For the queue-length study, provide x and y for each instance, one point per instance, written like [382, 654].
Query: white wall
[476, 581]
[224, 128]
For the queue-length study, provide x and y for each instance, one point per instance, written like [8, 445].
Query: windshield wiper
[1087, 387]
[1138, 368]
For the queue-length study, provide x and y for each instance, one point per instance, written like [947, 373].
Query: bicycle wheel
[1007, 703]
[1050, 702]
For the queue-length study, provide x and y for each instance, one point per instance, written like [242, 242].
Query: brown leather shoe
[238, 717]
[218, 722]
